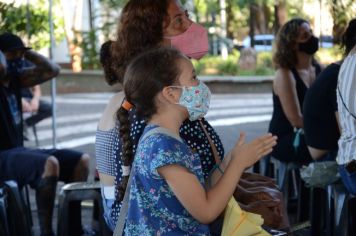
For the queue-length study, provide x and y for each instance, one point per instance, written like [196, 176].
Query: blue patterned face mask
[196, 99]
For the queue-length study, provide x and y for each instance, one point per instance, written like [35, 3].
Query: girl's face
[304, 33]
[178, 21]
[188, 76]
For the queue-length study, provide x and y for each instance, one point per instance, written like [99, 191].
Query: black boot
[45, 196]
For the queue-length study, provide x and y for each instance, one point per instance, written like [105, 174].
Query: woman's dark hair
[284, 55]
[145, 77]
[348, 40]
[105, 61]
[140, 29]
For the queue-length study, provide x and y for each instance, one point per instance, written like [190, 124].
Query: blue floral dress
[153, 207]
[191, 132]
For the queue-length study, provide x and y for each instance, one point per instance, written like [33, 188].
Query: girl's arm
[285, 87]
[204, 205]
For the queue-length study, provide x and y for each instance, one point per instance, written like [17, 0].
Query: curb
[88, 81]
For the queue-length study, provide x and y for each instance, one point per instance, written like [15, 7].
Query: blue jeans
[107, 205]
[348, 179]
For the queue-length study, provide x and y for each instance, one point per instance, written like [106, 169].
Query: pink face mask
[193, 42]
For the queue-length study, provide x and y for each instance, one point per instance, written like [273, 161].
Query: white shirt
[346, 103]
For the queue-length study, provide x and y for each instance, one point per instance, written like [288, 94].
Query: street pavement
[78, 115]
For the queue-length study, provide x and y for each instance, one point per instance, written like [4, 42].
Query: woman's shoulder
[283, 78]
[283, 73]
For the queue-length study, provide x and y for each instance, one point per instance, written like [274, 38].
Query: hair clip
[126, 105]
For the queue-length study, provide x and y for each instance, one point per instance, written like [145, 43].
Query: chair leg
[27, 202]
[352, 216]
[35, 134]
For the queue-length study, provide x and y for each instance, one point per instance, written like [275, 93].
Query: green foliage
[30, 22]
[228, 67]
[264, 59]
[113, 3]
[342, 12]
[328, 55]
[215, 65]
[89, 42]
[89, 52]
[109, 16]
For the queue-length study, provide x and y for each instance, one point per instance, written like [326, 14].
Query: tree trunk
[252, 26]
[280, 14]
[339, 12]
[72, 33]
[229, 18]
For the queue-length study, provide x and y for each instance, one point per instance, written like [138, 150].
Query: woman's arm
[285, 87]
[204, 205]
[35, 101]
[44, 69]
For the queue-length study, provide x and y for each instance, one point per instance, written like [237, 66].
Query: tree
[29, 22]
[342, 12]
[280, 14]
[72, 26]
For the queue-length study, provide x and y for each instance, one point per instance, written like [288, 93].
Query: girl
[167, 189]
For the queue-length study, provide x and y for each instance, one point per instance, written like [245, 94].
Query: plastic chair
[338, 205]
[4, 226]
[13, 211]
[282, 172]
[79, 191]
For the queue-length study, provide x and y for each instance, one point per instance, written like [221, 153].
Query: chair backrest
[4, 228]
[13, 211]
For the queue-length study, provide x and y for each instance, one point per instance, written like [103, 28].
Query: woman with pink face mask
[146, 25]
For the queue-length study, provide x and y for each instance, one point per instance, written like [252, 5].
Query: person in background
[346, 103]
[296, 71]
[320, 125]
[169, 25]
[33, 105]
[107, 141]
[39, 168]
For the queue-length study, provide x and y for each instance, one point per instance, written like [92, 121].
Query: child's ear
[171, 94]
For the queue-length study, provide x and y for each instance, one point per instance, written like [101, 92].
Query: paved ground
[78, 115]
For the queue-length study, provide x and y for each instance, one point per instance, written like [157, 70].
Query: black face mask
[311, 46]
[3, 66]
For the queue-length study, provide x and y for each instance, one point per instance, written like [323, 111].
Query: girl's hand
[247, 154]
